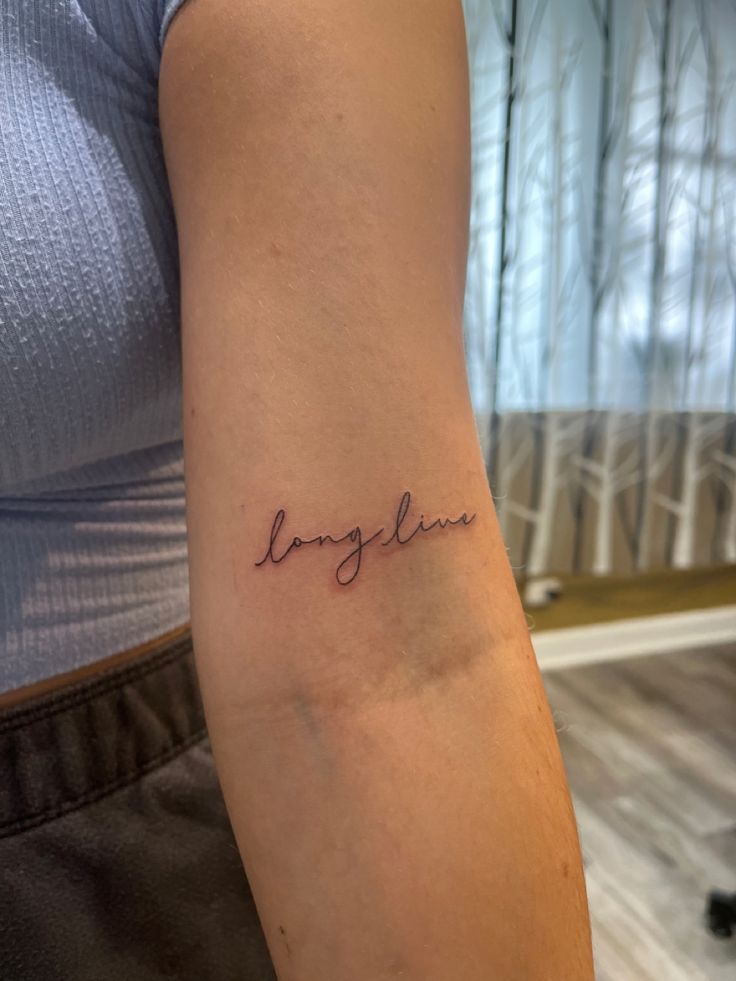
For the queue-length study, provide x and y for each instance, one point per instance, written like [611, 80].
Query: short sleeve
[167, 10]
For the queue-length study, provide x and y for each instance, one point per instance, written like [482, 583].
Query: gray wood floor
[650, 750]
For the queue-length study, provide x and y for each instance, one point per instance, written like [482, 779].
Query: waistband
[74, 745]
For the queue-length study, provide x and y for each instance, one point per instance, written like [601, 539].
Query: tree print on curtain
[600, 313]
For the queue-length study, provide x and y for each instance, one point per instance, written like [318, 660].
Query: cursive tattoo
[349, 567]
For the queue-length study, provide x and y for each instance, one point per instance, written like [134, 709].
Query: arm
[380, 729]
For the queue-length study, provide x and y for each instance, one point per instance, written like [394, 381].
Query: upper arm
[318, 158]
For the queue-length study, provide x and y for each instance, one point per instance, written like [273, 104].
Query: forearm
[388, 757]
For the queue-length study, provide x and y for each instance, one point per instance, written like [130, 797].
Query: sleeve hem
[171, 8]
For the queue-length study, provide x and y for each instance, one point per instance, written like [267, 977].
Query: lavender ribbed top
[92, 522]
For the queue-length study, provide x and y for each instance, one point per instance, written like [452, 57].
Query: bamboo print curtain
[601, 295]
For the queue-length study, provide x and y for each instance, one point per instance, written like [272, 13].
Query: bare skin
[383, 741]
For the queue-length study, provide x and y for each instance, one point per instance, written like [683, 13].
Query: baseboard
[661, 634]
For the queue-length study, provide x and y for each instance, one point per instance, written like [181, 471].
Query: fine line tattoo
[349, 568]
